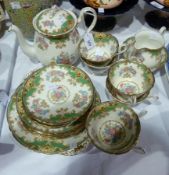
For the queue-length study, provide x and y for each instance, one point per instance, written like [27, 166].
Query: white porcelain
[97, 70]
[150, 39]
[113, 127]
[56, 37]
[105, 49]
[58, 94]
[130, 79]
[40, 142]
[153, 59]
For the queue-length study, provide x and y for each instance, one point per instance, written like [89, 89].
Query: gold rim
[128, 146]
[155, 68]
[137, 63]
[67, 121]
[113, 93]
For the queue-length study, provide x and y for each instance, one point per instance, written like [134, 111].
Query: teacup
[130, 80]
[105, 48]
[98, 70]
[113, 127]
[121, 98]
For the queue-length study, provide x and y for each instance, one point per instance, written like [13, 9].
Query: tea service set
[57, 110]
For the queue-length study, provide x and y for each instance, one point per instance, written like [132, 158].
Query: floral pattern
[40, 142]
[55, 76]
[128, 87]
[54, 22]
[63, 58]
[106, 46]
[39, 106]
[80, 98]
[75, 36]
[113, 127]
[58, 94]
[126, 118]
[127, 72]
[111, 132]
[41, 43]
[76, 99]
[59, 42]
[153, 59]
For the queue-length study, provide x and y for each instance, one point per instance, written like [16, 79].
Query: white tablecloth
[154, 137]
[8, 49]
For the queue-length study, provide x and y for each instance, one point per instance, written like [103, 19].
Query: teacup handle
[89, 11]
[162, 30]
[122, 48]
[133, 100]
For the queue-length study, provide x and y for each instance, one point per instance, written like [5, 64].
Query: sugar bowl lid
[54, 21]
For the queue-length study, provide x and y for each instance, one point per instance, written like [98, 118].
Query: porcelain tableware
[105, 49]
[121, 98]
[61, 131]
[106, 4]
[153, 59]
[150, 39]
[98, 70]
[56, 36]
[79, 149]
[130, 79]
[58, 94]
[38, 142]
[113, 127]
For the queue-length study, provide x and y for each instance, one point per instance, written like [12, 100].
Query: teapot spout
[26, 47]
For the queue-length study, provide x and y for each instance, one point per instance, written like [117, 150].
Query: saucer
[38, 142]
[106, 47]
[60, 131]
[57, 94]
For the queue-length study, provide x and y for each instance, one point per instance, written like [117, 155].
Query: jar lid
[54, 22]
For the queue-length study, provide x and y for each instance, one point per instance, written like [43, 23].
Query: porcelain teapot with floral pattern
[56, 36]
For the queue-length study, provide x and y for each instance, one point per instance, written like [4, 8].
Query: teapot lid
[54, 21]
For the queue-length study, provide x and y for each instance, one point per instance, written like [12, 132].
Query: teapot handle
[89, 11]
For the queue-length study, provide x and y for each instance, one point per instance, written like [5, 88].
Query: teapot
[56, 38]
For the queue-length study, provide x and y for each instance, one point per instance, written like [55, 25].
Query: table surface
[8, 49]
[154, 137]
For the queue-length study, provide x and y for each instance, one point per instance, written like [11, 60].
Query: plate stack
[47, 112]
